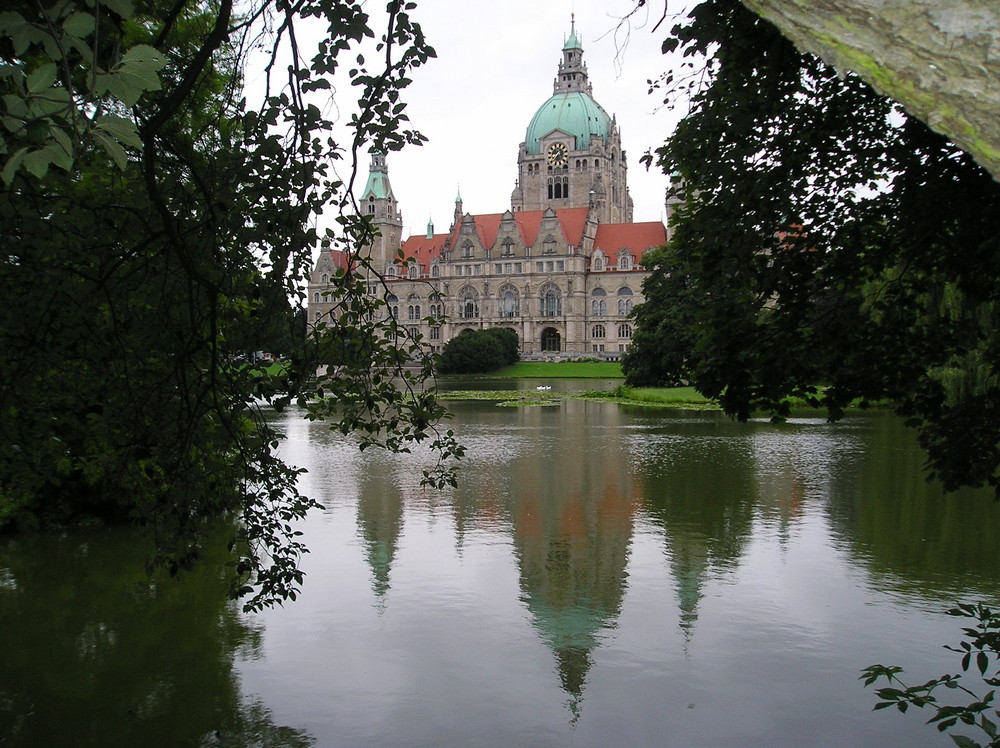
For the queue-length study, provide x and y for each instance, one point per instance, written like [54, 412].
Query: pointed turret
[572, 74]
[378, 202]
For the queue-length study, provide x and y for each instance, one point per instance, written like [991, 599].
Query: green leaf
[113, 149]
[41, 78]
[37, 162]
[964, 742]
[134, 75]
[79, 25]
[989, 727]
[12, 165]
[121, 129]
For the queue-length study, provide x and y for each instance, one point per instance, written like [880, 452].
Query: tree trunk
[940, 59]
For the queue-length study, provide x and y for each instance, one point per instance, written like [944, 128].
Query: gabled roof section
[610, 238]
[423, 248]
[613, 237]
[528, 222]
[332, 260]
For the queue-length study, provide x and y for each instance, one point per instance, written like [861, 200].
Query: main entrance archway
[551, 340]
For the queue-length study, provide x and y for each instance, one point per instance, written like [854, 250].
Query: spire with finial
[572, 73]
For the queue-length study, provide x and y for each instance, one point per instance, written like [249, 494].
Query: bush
[475, 352]
[508, 342]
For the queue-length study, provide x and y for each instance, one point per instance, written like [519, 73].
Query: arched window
[393, 303]
[412, 307]
[315, 298]
[469, 304]
[598, 303]
[414, 270]
[508, 302]
[551, 302]
[625, 260]
[598, 331]
[624, 331]
[549, 245]
[507, 247]
[324, 279]
[390, 271]
[597, 261]
[624, 301]
[371, 206]
[435, 271]
[467, 250]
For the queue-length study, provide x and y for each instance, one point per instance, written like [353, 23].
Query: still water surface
[603, 575]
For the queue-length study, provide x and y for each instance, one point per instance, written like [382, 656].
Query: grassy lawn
[666, 395]
[561, 370]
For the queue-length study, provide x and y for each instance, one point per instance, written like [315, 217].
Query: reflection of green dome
[573, 112]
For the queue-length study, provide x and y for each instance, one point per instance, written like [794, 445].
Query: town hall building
[561, 266]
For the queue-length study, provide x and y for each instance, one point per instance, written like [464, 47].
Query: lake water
[603, 575]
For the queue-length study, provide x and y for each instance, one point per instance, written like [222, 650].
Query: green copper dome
[573, 112]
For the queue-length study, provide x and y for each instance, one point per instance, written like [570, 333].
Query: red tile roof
[638, 237]
[610, 238]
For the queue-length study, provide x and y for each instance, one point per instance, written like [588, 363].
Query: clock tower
[571, 156]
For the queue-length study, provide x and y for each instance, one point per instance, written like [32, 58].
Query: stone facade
[560, 267]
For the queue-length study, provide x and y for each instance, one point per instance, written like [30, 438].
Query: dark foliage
[479, 351]
[155, 229]
[829, 248]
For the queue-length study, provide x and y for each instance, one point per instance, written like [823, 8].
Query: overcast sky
[496, 62]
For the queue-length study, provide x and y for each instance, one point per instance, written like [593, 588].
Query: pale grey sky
[495, 66]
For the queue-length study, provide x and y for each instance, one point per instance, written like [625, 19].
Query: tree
[155, 228]
[475, 352]
[838, 249]
[508, 342]
[928, 55]
[662, 349]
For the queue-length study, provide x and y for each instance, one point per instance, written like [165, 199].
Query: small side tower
[378, 202]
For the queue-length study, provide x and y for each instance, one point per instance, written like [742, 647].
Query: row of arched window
[599, 331]
[599, 261]
[558, 187]
[599, 302]
[509, 305]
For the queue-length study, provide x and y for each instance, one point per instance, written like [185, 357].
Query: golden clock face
[557, 154]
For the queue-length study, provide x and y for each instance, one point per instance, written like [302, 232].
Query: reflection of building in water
[698, 489]
[380, 521]
[573, 523]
